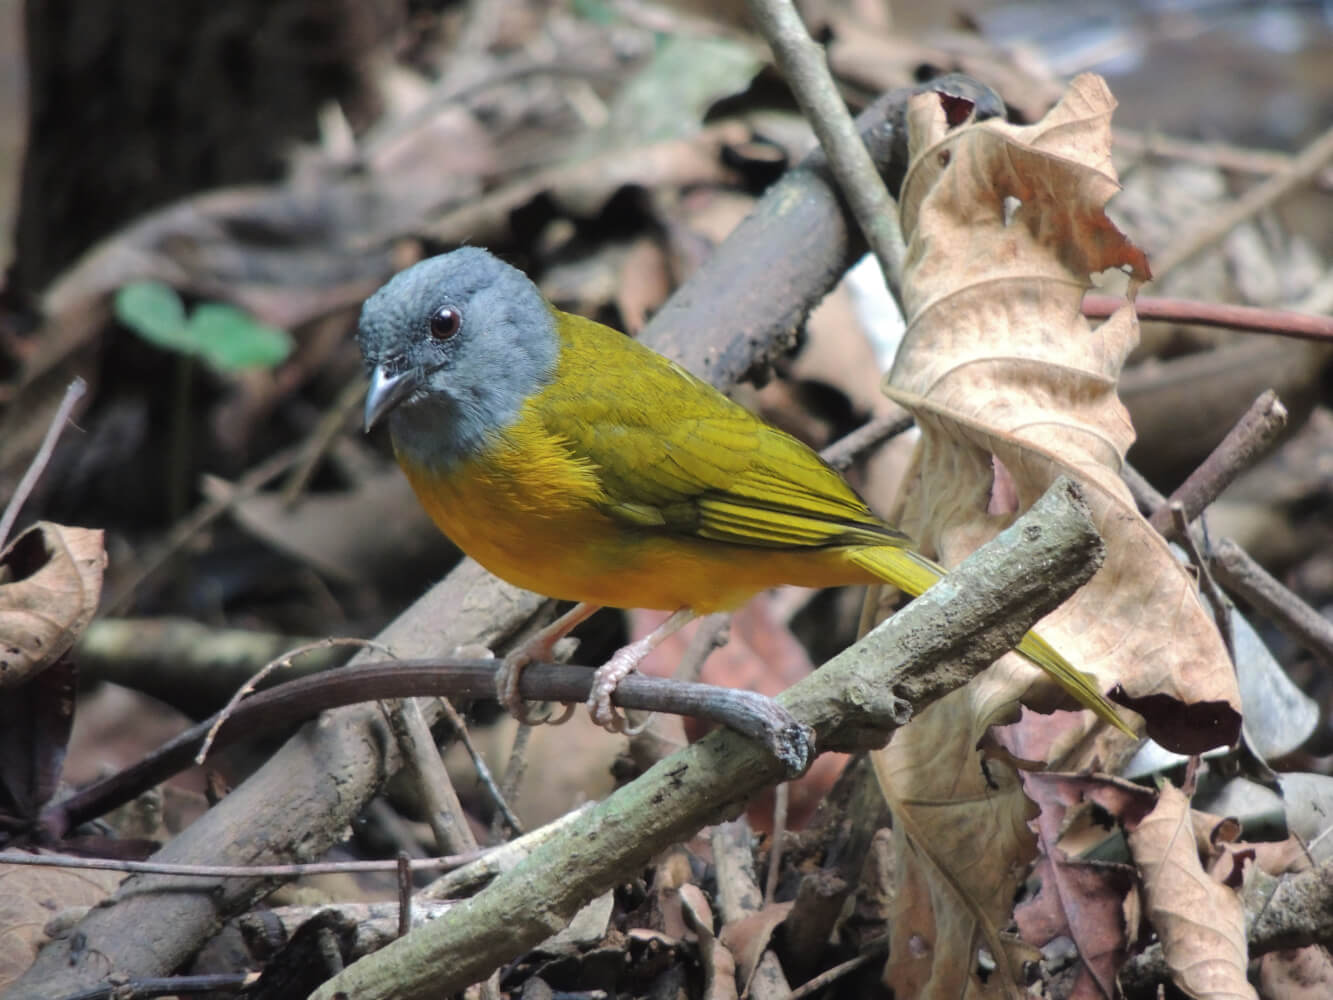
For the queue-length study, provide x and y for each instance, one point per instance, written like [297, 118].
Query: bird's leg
[624, 661]
[539, 647]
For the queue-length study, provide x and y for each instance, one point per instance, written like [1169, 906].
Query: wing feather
[673, 454]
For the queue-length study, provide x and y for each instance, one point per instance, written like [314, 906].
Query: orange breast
[528, 514]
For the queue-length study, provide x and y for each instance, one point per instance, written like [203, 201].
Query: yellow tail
[914, 574]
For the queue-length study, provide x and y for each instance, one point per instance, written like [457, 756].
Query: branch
[937, 643]
[805, 67]
[283, 705]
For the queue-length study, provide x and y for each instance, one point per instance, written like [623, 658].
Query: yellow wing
[675, 454]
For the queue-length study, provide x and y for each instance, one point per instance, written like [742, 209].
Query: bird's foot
[507, 680]
[622, 663]
[605, 681]
[540, 647]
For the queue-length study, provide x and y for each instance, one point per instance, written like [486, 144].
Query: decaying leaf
[719, 964]
[52, 579]
[1200, 921]
[1080, 900]
[1012, 388]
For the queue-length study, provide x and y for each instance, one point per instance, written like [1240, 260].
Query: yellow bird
[572, 461]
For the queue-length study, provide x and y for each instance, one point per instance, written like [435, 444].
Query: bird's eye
[444, 322]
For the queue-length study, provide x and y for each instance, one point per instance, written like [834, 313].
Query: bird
[569, 459]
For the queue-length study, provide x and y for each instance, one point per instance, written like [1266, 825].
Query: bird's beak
[387, 391]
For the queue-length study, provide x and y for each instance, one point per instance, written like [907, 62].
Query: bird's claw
[506, 691]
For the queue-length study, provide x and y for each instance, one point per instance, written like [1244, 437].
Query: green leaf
[596, 11]
[155, 312]
[669, 97]
[229, 339]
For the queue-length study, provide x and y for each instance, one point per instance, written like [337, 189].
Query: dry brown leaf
[53, 577]
[1080, 900]
[748, 938]
[1200, 922]
[1007, 225]
[1007, 381]
[719, 964]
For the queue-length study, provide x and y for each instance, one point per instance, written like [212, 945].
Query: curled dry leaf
[1010, 385]
[52, 579]
[1201, 923]
[1007, 226]
[719, 964]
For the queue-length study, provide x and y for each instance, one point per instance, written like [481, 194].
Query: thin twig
[235, 871]
[805, 68]
[484, 774]
[516, 766]
[832, 975]
[710, 634]
[330, 425]
[1249, 319]
[1309, 162]
[166, 986]
[73, 393]
[285, 660]
[421, 759]
[781, 799]
[754, 716]
[1245, 577]
[1249, 439]
[404, 893]
[1236, 570]
[1236, 159]
[1220, 605]
[843, 452]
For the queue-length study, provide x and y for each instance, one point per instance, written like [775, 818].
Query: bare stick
[73, 393]
[757, 717]
[205, 514]
[712, 633]
[781, 800]
[421, 760]
[813, 986]
[484, 775]
[404, 893]
[285, 660]
[1249, 440]
[1239, 573]
[1309, 162]
[1242, 575]
[1249, 319]
[235, 871]
[1216, 600]
[1237, 159]
[843, 452]
[806, 69]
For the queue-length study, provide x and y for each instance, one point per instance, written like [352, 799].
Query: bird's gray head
[453, 346]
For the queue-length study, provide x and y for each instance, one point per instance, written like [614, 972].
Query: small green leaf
[596, 11]
[228, 339]
[155, 312]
